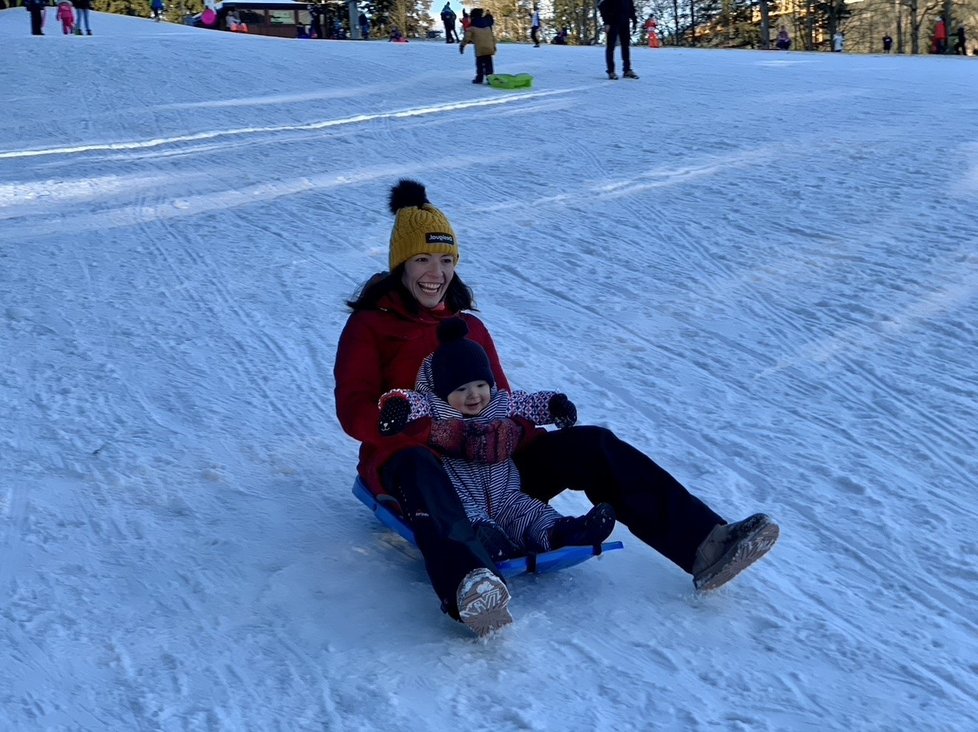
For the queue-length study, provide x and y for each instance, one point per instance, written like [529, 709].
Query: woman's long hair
[458, 297]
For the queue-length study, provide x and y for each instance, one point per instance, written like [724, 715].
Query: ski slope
[759, 267]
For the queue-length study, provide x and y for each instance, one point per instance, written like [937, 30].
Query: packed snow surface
[761, 268]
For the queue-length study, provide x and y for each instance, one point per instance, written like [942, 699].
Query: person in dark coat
[315, 21]
[81, 12]
[620, 22]
[784, 39]
[36, 9]
[887, 43]
[448, 18]
[960, 46]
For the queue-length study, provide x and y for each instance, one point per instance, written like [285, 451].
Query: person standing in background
[652, 32]
[620, 22]
[784, 39]
[448, 18]
[67, 17]
[940, 36]
[535, 26]
[480, 35]
[81, 12]
[36, 9]
[960, 45]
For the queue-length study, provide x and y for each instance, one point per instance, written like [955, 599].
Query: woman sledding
[393, 327]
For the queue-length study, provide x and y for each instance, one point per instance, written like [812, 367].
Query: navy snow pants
[434, 512]
[649, 501]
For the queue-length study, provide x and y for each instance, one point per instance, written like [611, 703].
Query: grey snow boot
[482, 602]
[732, 548]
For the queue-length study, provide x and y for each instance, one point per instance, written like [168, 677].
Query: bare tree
[765, 23]
[901, 46]
[917, 16]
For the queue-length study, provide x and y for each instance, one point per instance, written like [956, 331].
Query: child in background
[480, 33]
[456, 390]
[67, 17]
[784, 39]
[652, 31]
[235, 24]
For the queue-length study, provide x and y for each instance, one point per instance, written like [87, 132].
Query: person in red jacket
[940, 36]
[392, 328]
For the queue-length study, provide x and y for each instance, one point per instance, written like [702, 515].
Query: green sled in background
[510, 81]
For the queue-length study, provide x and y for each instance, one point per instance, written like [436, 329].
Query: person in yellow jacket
[480, 34]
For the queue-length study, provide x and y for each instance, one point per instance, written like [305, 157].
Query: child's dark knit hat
[419, 227]
[458, 359]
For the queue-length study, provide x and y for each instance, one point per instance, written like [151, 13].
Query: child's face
[471, 398]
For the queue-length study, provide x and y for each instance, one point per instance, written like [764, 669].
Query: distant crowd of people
[73, 15]
[618, 18]
[939, 40]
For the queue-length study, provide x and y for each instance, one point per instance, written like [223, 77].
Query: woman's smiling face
[427, 276]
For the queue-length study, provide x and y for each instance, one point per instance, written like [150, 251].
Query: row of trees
[722, 23]
[910, 23]
[752, 23]
[410, 16]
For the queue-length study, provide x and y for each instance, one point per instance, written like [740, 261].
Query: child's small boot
[495, 541]
[587, 530]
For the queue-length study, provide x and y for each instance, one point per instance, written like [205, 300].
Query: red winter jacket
[380, 350]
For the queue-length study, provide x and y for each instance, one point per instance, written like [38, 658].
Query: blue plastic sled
[562, 558]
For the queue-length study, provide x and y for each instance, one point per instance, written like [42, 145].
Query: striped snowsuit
[491, 492]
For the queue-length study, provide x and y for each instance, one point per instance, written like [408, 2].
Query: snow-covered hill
[761, 268]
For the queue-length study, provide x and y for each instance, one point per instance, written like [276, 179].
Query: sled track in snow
[184, 252]
[263, 131]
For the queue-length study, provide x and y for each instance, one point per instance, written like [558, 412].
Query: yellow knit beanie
[419, 227]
